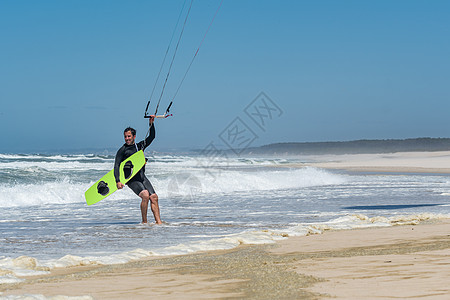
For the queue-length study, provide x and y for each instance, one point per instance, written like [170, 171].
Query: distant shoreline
[364, 146]
[352, 147]
[419, 162]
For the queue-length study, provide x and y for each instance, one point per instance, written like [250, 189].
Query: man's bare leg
[154, 205]
[144, 204]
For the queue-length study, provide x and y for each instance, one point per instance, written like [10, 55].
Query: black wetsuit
[139, 181]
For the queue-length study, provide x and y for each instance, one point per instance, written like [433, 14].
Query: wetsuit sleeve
[145, 143]
[119, 159]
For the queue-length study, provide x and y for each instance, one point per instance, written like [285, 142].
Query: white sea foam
[67, 191]
[50, 157]
[12, 269]
[53, 166]
[204, 162]
[9, 278]
[57, 192]
[226, 181]
[42, 297]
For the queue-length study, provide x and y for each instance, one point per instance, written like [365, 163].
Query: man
[139, 183]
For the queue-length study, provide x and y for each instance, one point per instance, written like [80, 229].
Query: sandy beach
[400, 162]
[407, 261]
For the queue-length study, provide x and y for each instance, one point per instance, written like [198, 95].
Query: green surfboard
[106, 185]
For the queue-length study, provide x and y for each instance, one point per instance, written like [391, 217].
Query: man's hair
[133, 131]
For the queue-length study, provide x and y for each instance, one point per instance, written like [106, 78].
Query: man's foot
[154, 223]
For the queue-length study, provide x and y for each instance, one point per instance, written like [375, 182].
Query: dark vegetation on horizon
[353, 147]
[296, 148]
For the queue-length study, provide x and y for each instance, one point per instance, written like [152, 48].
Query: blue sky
[74, 74]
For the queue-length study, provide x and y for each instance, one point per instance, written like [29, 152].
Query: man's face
[129, 138]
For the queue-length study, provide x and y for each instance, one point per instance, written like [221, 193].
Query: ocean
[206, 202]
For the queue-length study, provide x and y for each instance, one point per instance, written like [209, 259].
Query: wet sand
[408, 261]
[384, 263]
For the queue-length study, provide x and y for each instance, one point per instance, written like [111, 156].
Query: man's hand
[120, 185]
[151, 120]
